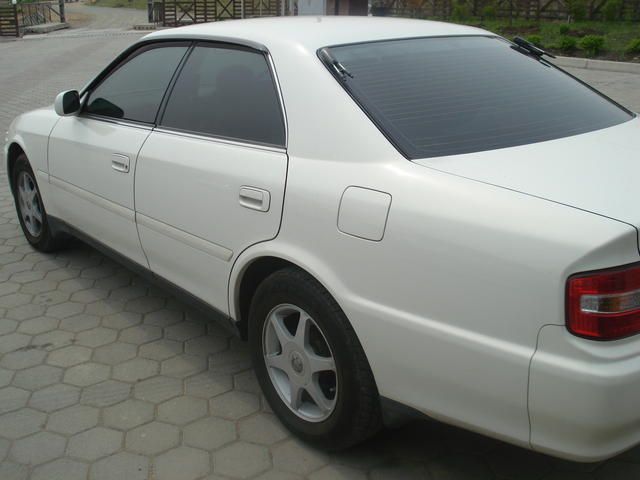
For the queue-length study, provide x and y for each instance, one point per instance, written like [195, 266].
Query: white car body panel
[85, 188]
[458, 298]
[192, 185]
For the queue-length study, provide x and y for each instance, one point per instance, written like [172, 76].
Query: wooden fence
[13, 18]
[9, 26]
[172, 13]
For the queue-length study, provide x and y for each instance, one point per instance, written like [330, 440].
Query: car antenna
[335, 64]
[531, 48]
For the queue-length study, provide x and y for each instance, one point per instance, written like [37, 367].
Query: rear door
[211, 177]
[92, 156]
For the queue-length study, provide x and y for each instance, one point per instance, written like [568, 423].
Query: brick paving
[104, 376]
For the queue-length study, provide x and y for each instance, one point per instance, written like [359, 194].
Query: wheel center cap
[296, 362]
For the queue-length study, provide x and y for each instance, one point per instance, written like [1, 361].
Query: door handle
[255, 198]
[120, 162]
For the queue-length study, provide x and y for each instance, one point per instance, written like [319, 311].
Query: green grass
[139, 4]
[617, 35]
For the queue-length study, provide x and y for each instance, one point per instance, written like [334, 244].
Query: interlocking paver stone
[209, 433]
[262, 428]
[182, 463]
[87, 374]
[163, 317]
[140, 334]
[128, 414]
[106, 393]
[158, 389]
[7, 326]
[6, 376]
[25, 358]
[114, 353]
[73, 420]
[152, 438]
[241, 460]
[69, 356]
[96, 337]
[79, 323]
[34, 326]
[293, 456]
[207, 385]
[123, 466]
[52, 340]
[95, 443]
[64, 310]
[13, 471]
[182, 410]
[184, 331]
[161, 349]
[26, 312]
[234, 404]
[38, 448]
[20, 423]
[13, 341]
[12, 398]
[54, 397]
[136, 370]
[61, 469]
[183, 366]
[37, 377]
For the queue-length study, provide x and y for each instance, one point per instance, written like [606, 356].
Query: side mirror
[67, 103]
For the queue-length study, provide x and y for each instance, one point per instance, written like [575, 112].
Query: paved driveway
[103, 376]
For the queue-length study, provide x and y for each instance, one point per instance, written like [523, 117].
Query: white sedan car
[399, 215]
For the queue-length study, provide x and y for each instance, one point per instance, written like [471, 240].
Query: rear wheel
[30, 209]
[310, 364]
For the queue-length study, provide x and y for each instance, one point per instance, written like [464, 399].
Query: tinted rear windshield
[451, 95]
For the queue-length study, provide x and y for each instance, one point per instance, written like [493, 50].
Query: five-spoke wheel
[300, 363]
[309, 362]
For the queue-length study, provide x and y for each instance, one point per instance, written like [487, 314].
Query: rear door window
[228, 92]
[453, 95]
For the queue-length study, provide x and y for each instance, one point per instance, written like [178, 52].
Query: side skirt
[60, 226]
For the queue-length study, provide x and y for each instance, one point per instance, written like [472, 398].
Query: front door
[211, 177]
[92, 156]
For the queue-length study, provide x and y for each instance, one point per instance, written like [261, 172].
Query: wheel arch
[13, 152]
[254, 267]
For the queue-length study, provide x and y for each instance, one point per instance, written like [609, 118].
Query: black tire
[356, 415]
[46, 240]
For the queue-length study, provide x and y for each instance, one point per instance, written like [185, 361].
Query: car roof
[313, 32]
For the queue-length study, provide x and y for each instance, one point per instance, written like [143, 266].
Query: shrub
[577, 9]
[489, 12]
[634, 46]
[567, 44]
[461, 10]
[564, 29]
[611, 10]
[535, 39]
[592, 44]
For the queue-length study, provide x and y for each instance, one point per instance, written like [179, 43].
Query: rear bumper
[584, 396]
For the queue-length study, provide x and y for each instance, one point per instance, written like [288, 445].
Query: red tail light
[605, 304]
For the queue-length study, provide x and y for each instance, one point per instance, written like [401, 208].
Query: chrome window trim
[117, 121]
[276, 82]
[221, 140]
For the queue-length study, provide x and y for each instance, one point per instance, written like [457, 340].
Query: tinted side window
[226, 92]
[134, 90]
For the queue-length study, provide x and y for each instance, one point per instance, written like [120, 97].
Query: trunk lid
[597, 171]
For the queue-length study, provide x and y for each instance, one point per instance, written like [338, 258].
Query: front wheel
[310, 364]
[30, 209]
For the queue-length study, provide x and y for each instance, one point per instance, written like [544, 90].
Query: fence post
[62, 15]
[150, 11]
